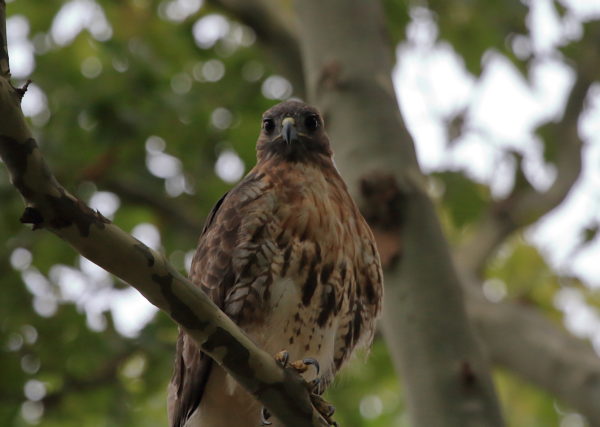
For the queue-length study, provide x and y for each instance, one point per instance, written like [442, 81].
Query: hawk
[288, 256]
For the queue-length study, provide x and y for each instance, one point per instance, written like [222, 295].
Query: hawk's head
[293, 131]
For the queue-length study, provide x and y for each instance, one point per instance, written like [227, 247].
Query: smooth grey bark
[348, 64]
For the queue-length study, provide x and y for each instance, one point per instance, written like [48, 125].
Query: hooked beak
[288, 130]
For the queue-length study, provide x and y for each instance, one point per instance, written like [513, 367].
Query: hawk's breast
[312, 253]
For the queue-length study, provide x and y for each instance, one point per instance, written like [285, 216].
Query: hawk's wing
[192, 367]
[213, 269]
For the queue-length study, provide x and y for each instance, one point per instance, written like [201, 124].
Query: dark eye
[312, 122]
[268, 125]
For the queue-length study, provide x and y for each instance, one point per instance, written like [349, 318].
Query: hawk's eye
[312, 122]
[268, 125]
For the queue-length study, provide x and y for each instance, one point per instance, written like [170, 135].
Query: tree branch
[519, 337]
[425, 322]
[50, 206]
[525, 205]
[172, 210]
[524, 341]
[277, 33]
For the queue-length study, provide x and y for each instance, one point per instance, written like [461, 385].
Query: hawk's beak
[288, 130]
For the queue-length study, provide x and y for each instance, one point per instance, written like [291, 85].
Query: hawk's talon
[264, 416]
[310, 361]
[331, 410]
[301, 366]
[282, 358]
[324, 408]
[314, 386]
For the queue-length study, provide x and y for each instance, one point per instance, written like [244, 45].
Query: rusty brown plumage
[288, 256]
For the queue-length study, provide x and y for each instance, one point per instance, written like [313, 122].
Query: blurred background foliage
[148, 110]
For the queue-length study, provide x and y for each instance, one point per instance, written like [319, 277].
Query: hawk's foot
[321, 405]
[300, 366]
[324, 408]
[282, 357]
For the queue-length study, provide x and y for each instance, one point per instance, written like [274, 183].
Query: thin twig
[177, 213]
[525, 204]
[276, 32]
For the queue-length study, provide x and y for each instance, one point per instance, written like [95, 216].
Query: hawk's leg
[321, 405]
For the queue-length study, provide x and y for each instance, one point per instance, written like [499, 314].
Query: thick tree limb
[50, 206]
[523, 340]
[525, 205]
[425, 322]
[519, 337]
[276, 32]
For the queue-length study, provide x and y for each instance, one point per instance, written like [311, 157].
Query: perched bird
[288, 256]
